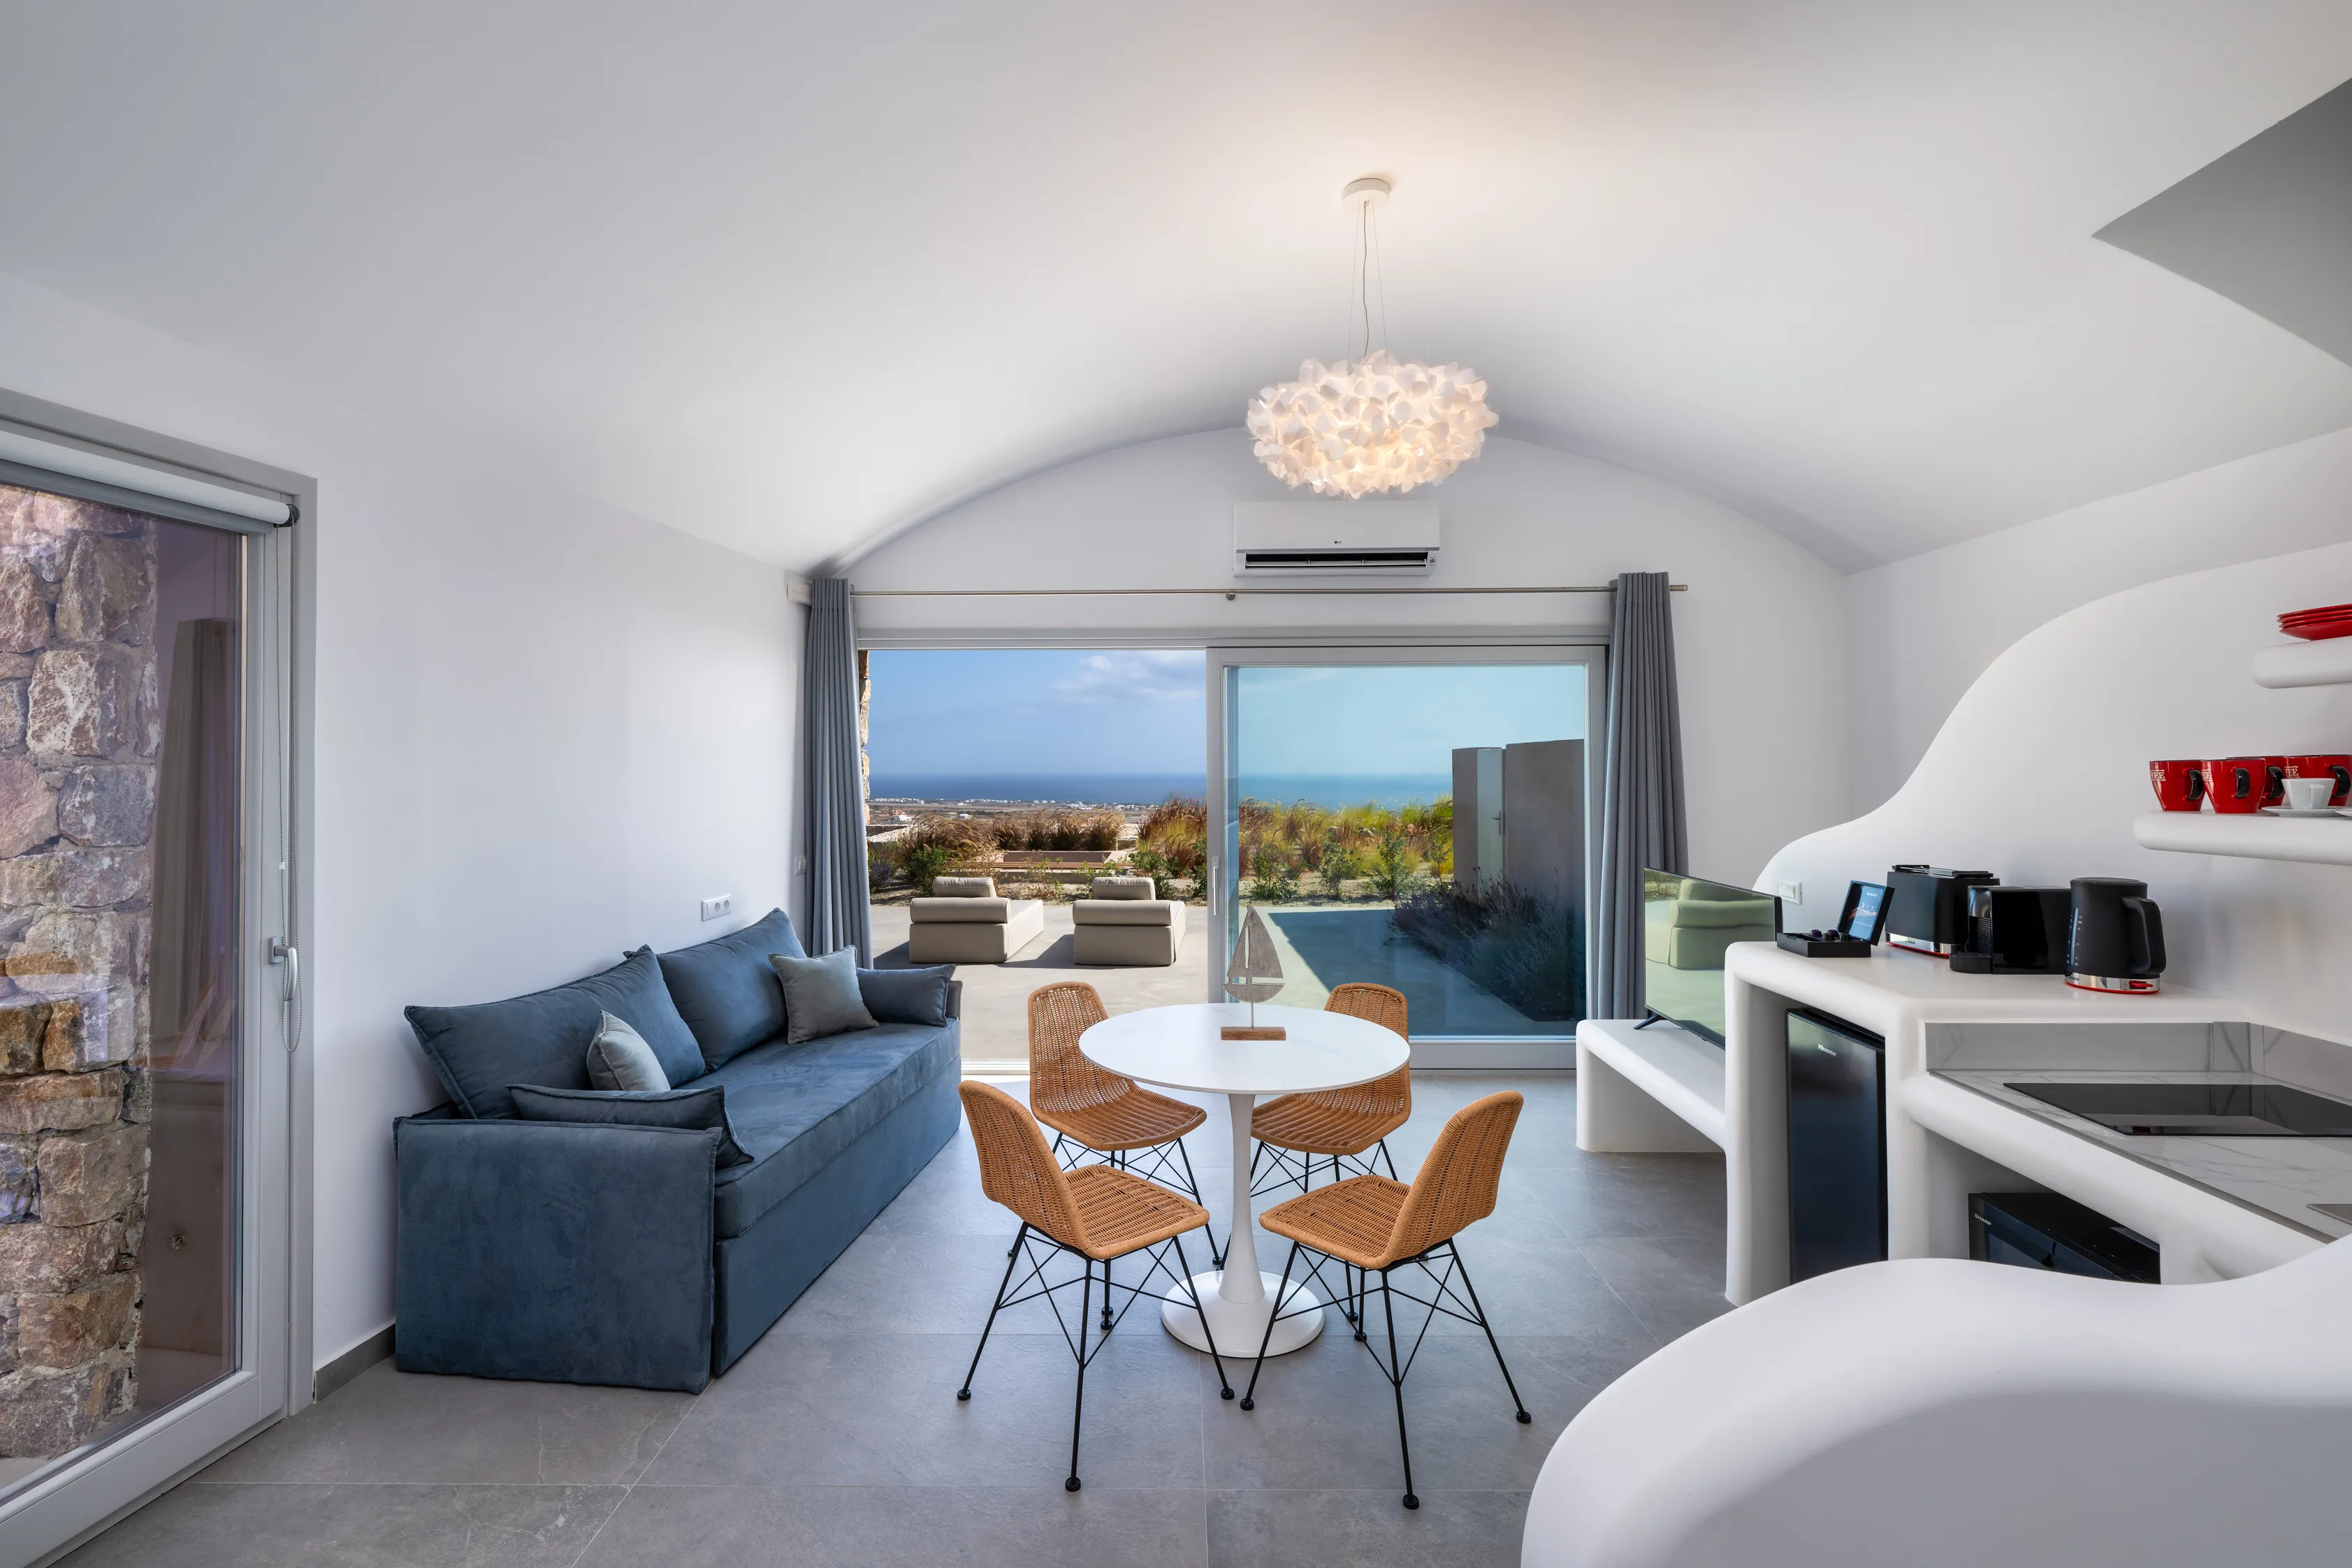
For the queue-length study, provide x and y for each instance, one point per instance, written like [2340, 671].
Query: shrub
[1177, 830]
[1393, 863]
[1150, 863]
[923, 864]
[1059, 829]
[938, 844]
[1526, 951]
[1339, 863]
[1273, 880]
[1179, 815]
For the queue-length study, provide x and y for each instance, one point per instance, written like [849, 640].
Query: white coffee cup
[2309, 794]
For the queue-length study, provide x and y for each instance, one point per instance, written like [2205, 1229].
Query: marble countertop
[2280, 1177]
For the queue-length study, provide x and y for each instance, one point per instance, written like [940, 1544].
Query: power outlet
[724, 904]
[1791, 893]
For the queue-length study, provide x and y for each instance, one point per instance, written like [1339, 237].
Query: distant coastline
[1329, 790]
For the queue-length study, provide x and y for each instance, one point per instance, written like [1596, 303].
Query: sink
[2199, 1109]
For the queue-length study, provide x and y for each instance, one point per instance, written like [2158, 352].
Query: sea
[1328, 790]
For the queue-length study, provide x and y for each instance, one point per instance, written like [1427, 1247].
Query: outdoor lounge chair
[964, 921]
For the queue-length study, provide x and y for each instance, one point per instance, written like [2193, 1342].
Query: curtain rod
[1226, 593]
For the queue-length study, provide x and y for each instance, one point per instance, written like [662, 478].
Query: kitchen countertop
[2278, 1177]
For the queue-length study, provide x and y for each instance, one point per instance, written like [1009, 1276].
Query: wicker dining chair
[1098, 1111]
[1337, 1123]
[1097, 1214]
[1370, 1224]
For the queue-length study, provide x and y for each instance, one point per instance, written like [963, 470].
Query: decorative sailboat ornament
[1254, 976]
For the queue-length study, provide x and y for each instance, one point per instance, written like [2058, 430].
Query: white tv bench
[1653, 1090]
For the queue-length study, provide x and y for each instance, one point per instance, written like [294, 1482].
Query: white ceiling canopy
[792, 276]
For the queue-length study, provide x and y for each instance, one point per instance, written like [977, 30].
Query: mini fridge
[1837, 1145]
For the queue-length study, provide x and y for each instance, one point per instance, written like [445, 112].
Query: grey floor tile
[1677, 1196]
[1365, 1529]
[391, 1426]
[907, 1284]
[851, 1527]
[838, 1438]
[1667, 1287]
[285, 1525]
[879, 1410]
[1325, 1418]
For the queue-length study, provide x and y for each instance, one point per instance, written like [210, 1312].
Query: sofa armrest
[558, 1252]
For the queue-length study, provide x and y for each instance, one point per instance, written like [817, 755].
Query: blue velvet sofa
[565, 1252]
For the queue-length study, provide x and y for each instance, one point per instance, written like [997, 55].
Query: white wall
[2044, 764]
[1760, 638]
[1926, 627]
[544, 729]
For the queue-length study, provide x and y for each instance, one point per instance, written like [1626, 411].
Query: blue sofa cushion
[726, 989]
[906, 995]
[543, 1039]
[795, 1108]
[702, 1109]
[675, 1047]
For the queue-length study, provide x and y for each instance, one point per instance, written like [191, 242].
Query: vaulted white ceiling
[793, 275]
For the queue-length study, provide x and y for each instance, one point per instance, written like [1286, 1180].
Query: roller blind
[36, 461]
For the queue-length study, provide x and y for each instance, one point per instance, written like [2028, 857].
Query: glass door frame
[85, 1492]
[1494, 1052]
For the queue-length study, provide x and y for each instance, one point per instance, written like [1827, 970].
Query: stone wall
[80, 729]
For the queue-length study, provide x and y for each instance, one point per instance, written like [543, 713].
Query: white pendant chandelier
[1352, 429]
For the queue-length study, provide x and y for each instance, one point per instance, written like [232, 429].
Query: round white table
[1179, 1047]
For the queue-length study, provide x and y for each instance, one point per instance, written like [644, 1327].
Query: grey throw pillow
[821, 995]
[618, 1057]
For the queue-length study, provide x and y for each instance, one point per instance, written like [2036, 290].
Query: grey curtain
[839, 915]
[1642, 821]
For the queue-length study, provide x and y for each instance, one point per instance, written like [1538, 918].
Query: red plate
[2322, 613]
[2320, 631]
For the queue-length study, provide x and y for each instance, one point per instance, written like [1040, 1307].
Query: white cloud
[1139, 675]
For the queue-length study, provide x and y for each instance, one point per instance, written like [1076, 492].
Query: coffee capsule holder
[1836, 943]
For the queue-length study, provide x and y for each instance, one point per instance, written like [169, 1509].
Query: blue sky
[1037, 710]
[1144, 712]
[1384, 719]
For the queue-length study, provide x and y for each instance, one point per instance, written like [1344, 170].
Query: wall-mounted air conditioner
[1358, 538]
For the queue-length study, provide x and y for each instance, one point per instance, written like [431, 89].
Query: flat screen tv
[1687, 924]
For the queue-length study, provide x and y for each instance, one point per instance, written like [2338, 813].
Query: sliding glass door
[1418, 818]
[143, 1061]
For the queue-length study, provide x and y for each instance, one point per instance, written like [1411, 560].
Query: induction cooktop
[2199, 1109]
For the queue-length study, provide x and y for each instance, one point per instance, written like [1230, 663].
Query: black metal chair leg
[993, 1308]
[1079, 1412]
[1249, 1396]
[1192, 1186]
[1479, 1308]
[1396, 1381]
[1105, 1311]
[1386, 1160]
[1225, 1386]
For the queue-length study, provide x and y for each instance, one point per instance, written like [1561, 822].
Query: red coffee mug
[2179, 786]
[2240, 785]
[2339, 768]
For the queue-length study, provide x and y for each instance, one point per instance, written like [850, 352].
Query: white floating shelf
[2326, 663]
[2324, 841]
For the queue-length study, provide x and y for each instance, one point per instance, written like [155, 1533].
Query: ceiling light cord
[1363, 289]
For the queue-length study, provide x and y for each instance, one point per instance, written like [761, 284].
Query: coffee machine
[2013, 930]
[2114, 938]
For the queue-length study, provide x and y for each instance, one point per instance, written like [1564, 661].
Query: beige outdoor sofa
[964, 921]
[1122, 923]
